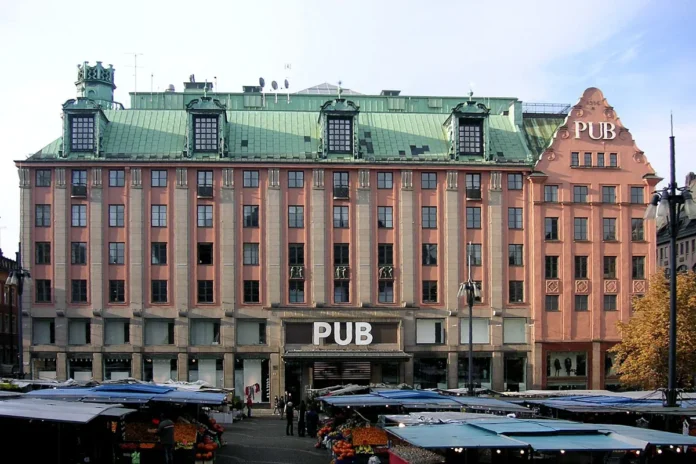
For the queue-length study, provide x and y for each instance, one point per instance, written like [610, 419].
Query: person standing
[301, 419]
[249, 403]
[275, 406]
[312, 422]
[289, 416]
[281, 407]
[165, 432]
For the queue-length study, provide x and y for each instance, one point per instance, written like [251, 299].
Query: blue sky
[639, 52]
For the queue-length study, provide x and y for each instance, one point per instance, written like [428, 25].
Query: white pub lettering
[363, 335]
[607, 130]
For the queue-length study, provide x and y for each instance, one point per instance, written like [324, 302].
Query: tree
[642, 357]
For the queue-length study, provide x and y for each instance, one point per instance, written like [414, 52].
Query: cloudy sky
[640, 53]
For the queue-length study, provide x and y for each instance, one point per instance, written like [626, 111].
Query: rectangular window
[638, 232]
[341, 254]
[428, 180]
[610, 267]
[158, 215]
[514, 181]
[205, 215]
[116, 331]
[580, 193]
[581, 267]
[117, 177]
[551, 228]
[117, 291]
[159, 291]
[296, 217]
[581, 303]
[159, 253]
[470, 137]
[205, 133]
[117, 253]
[43, 216]
[516, 291]
[473, 217]
[340, 217]
[297, 291]
[79, 291]
[78, 253]
[251, 291]
[551, 193]
[117, 215]
[205, 291]
[386, 291]
[514, 218]
[480, 328]
[580, 228]
[204, 332]
[295, 179]
[205, 253]
[79, 332]
[429, 291]
[251, 179]
[429, 254]
[158, 178]
[340, 134]
[385, 254]
[43, 177]
[251, 332]
[43, 291]
[473, 186]
[79, 178]
[251, 254]
[551, 267]
[551, 303]
[429, 217]
[79, 216]
[44, 332]
[637, 195]
[613, 161]
[296, 254]
[384, 217]
[514, 330]
[474, 251]
[385, 180]
[82, 133]
[610, 302]
[575, 159]
[42, 253]
[159, 331]
[587, 161]
[609, 229]
[638, 267]
[608, 194]
[341, 291]
[430, 331]
[204, 179]
[515, 254]
[341, 185]
[251, 215]
[600, 160]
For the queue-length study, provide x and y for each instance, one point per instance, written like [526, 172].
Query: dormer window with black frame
[205, 133]
[82, 133]
[340, 134]
[471, 136]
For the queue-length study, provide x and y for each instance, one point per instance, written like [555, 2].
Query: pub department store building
[203, 235]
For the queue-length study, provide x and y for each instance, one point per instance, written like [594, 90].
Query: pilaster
[61, 366]
[408, 242]
[96, 241]
[538, 376]
[25, 221]
[452, 366]
[136, 247]
[498, 371]
[408, 371]
[227, 237]
[182, 217]
[60, 242]
[364, 233]
[137, 366]
[97, 367]
[495, 243]
[596, 366]
[182, 367]
[228, 370]
[318, 241]
[452, 256]
[274, 248]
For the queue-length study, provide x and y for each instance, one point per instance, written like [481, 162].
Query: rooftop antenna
[205, 88]
[288, 69]
[274, 85]
[262, 84]
[287, 88]
[135, 72]
[152, 85]
[215, 83]
[471, 91]
[339, 89]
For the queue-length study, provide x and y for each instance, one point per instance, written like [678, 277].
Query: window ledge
[582, 240]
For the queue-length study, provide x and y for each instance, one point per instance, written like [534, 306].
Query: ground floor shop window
[43, 368]
[159, 370]
[80, 368]
[481, 375]
[566, 370]
[515, 372]
[117, 367]
[251, 378]
[391, 373]
[206, 369]
[430, 373]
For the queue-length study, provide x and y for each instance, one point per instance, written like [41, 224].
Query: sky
[640, 53]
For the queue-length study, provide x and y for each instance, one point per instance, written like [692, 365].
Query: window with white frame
[430, 331]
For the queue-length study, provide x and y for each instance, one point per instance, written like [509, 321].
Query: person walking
[281, 407]
[290, 417]
[165, 432]
[301, 419]
[249, 403]
[275, 406]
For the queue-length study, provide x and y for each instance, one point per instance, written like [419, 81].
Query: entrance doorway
[328, 374]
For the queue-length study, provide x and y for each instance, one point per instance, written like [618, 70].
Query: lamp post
[472, 292]
[15, 279]
[666, 208]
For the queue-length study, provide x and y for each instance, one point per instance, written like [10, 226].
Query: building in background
[254, 240]
[9, 341]
[686, 240]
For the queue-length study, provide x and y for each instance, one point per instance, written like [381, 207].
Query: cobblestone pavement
[262, 440]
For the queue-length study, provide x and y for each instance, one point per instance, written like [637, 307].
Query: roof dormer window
[470, 136]
[205, 133]
[82, 133]
[340, 134]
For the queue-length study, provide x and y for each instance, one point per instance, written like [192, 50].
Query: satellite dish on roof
[287, 84]
[274, 84]
[262, 82]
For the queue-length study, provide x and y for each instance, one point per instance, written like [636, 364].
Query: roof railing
[546, 108]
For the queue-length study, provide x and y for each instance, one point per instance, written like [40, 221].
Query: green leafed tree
[642, 357]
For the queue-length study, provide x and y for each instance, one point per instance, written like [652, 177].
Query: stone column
[452, 369]
[137, 366]
[596, 366]
[408, 371]
[60, 243]
[495, 290]
[318, 240]
[61, 366]
[228, 370]
[276, 361]
[364, 231]
[274, 242]
[136, 247]
[539, 364]
[497, 371]
[407, 250]
[26, 221]
[227, 234]
[182, 367]
[97, 249]
[274, 374]
[98, 367]
[452, 258]
[182, 218]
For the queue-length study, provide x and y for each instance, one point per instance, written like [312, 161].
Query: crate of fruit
[369, 436]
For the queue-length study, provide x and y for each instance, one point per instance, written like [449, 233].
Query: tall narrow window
[429, 254]
[428, 180]
[474, 251]
[429, 291]
[429, 217]
[515, 254]
[609, 228]
[610, 302]
[514, 218]
[340, 134]
[251, 215]
[610, 267]
[341, 185]
[580, 193]
[205, 253]
[205, 133]
[78, 253]
[551, 193]
[117, 177]
[473, 217]
[79, 291]
[638, 232]
[581, 267]
[551, 267]
[251, 291]
[473, 186]
[117, 291]
[297, 291]
[159, 253]
[637, 195]
[43, 177]
[608, 194]
[384, 217]
[638, 267]
[514, 181]
[251, 254]
[581, 303]
[580, 228]
[340, 217]
[385, 254]
[82, 133]
[341, 254]
[117, 215]
[385, 180]
[575, 159]
[205, 215]
[600, 160]
[296, 254]
[117, 253]
[158, 178]
[251, 179]
[341, 291]
[79, 216]
[551, 228]
[295, 179]
[296, 217]
[42, 252]
[43, 216]
[43, 291]
[386, 291]
[205, 291]
[470, 137]
[516, 291]
[159, 215]
[551, 303]
[613, 161]
[587, 161]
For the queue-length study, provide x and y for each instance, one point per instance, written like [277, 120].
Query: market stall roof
[452, 436]
[6, 394]
[59, 411]
[440, 417]
[614, 404]
[653, 437]
[342, 354]
[590, 442]
[130, 394]
[492, 404]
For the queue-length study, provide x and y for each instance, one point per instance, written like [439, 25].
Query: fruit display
[414, 455]
[369, 436]
[364, 449]
[139, 432]
[342, 449]
[184, 433]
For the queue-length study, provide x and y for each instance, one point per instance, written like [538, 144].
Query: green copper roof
[539, 132]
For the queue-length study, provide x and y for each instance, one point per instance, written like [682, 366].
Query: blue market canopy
[590, 442]
[59, 411]
[613, 404]
[453, 436]
[130, 394]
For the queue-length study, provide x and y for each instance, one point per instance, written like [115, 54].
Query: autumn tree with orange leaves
[642, 357]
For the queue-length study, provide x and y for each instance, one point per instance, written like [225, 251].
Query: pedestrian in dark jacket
[281, 407]
[301, 419]
[290, 417]
[312, 422]
[165, 431]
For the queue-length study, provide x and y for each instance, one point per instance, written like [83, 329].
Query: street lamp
[15, 279]
[665, 208]
[470, 289]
